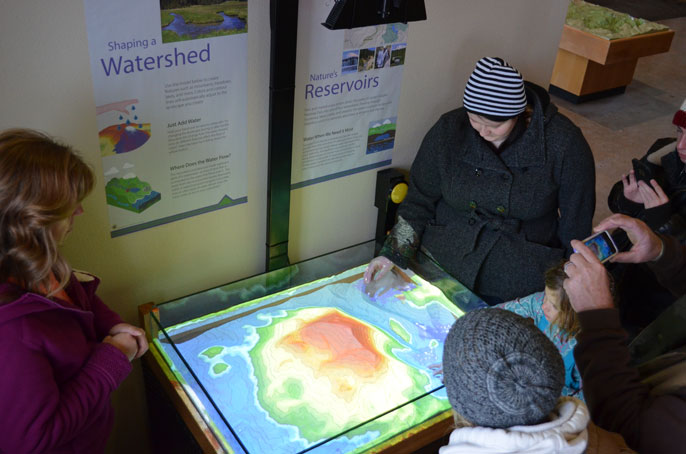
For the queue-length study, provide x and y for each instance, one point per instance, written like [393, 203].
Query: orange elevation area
[335, 342]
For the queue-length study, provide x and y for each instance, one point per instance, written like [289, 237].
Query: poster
[322, 368]
[169, 79]
[346, 96]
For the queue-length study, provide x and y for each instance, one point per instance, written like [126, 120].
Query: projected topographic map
[321, 368]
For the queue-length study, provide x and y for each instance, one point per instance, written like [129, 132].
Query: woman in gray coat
[498, 189]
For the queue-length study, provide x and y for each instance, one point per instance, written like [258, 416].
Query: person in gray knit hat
[504, 377]
[500, 370]
[498, 189]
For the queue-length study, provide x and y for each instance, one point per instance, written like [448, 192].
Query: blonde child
[553, 314]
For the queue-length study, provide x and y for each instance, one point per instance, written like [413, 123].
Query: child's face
[551, 304]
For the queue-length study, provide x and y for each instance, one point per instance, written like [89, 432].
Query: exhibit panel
[309, 359]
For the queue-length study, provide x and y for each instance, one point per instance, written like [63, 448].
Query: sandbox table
[303, 360]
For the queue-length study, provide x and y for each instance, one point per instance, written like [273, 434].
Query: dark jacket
[670, 218]
[615, 395]
[491, 220]
[57, 374]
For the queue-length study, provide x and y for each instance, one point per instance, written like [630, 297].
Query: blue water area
[375, 147]
[180, 27]
[145, 202]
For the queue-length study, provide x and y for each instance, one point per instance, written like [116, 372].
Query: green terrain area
[212, 352]
[129, 193]
[314, 425]
[607, 23]
[381, 129]
[205, 14]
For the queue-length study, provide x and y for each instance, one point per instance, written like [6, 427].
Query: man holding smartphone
[650, 420]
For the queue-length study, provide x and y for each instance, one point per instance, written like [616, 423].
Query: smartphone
[641, 171]
[602, 244]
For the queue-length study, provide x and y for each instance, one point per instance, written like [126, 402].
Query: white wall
[45, 83]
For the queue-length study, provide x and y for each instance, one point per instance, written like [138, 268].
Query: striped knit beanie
[495, 89]
[680, 116]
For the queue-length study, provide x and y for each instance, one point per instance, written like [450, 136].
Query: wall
[45, 83]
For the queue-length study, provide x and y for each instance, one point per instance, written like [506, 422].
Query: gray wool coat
[497, 222]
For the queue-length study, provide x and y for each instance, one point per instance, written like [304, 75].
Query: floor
[622, 127]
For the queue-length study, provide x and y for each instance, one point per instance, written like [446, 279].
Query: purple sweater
[57, 375]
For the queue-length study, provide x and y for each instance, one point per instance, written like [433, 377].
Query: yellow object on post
[399, 192]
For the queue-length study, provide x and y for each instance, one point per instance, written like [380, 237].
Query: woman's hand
[125, 343]
[630, 185]
[652, 196]
[377, 269]
[137, 333]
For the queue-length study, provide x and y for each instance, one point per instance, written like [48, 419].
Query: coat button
[505, 177]
[472, 204]
[477, 172]
[500, 209]
[471, 221]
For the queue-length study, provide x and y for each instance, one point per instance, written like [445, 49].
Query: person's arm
[527, 306]
[37, 415]
[576, 195]
[419, 205]
[664, 255]
[616, 398]
[670, 268]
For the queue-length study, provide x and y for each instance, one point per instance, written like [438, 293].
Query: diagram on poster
[324, 366]
[169, 79]
[347, 90]
[127, 134]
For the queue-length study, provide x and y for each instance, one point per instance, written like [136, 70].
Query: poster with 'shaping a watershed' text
[346, 96]
[170, 80]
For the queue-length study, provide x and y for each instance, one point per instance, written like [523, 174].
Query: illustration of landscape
[322, 367]
[184, 20]
[130, 193]
[381, 135]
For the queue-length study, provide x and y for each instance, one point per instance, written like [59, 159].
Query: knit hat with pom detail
[500, 370]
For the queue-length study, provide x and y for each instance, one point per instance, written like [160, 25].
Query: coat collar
[527, 151]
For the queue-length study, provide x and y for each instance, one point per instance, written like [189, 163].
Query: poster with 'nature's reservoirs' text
[346, 96]
[169, 78]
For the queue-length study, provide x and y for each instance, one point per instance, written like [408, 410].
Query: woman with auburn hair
[62, 349]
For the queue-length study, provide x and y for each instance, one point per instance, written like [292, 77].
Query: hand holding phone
[642, 171]
[602, 245]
